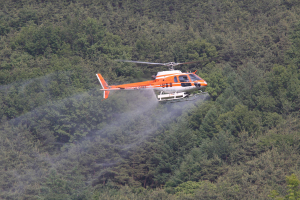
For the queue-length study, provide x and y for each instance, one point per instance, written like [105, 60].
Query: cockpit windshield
[194, 77]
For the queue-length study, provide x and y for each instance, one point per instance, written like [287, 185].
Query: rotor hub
[171, 65]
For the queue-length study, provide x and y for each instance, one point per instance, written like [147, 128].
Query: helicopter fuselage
[173, 81]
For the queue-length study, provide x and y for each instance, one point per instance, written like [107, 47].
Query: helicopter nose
[204, 83]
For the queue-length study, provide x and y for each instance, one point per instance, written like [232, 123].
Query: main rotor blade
[150, 63]
[188, 62]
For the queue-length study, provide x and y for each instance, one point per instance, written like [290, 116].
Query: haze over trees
[59, 140]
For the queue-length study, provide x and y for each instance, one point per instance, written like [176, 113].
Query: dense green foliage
[59, 140]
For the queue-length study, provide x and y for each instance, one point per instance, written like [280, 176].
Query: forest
[60, 140]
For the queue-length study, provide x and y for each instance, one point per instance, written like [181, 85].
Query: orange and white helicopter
[172, 84]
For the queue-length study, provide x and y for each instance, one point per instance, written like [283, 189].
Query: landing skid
[176, 97]
[173, 96]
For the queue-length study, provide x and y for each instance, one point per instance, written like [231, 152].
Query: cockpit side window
[194, 77]
[175, 79]
[184, 78]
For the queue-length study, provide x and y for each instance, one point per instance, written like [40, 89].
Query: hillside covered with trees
[60, 140]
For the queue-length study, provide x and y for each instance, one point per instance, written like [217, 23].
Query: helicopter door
[184, 81]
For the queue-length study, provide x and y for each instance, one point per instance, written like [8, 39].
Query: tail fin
[104, 85]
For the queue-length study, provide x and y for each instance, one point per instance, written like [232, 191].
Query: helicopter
[171, 85]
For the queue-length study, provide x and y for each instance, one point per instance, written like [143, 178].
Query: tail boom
[130, 86]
